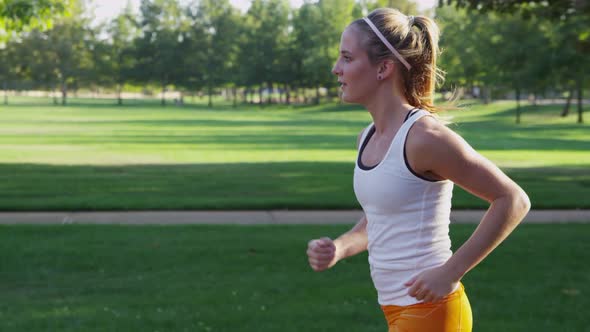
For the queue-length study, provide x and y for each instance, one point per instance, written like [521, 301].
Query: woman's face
[356, 75]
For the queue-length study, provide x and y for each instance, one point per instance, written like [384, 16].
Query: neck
[387, 109]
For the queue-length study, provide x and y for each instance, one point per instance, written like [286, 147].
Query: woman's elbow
[522, 202]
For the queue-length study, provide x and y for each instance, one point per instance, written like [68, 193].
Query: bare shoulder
[430, 137]
[433, 149]
[436, 151]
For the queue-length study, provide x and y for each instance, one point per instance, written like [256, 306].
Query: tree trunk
[210, 93]
[487, 92]
[269, 97]
[235, 96]
[517, 105]
[260, 95]
[5, 93]
[54, 94]
[482, 94]
[287, 95]
[568, 101]
[64, 93]
[317, 94]
[580, 110]
[119, 99]
[163, 102]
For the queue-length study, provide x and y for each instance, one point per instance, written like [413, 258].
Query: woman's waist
[401, 238]
[406, 262]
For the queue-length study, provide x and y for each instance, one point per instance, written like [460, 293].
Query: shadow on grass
[285, 185]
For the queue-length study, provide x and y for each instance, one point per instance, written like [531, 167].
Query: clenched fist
[321, 254]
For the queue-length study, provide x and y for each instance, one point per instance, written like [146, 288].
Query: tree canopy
[210, 47]
[22, 15]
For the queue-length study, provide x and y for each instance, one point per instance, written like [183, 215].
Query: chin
[345, 98]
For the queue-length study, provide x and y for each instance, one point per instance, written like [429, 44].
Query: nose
[336, 70]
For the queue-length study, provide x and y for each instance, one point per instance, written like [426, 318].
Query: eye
[347, 59]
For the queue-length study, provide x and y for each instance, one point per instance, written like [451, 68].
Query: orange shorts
[451, 313]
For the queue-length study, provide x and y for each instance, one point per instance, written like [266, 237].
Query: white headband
[380, 35]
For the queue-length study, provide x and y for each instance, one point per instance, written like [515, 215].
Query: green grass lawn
[93, 155]
[256, 278]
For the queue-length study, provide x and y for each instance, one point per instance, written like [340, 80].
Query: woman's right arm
[324, 253]
[352, 242]
[355, 240]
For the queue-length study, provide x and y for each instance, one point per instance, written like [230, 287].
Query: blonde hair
[416, 39]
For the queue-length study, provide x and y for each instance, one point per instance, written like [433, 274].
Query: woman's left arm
[434, 149]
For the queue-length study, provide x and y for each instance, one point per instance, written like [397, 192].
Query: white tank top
[407, 217]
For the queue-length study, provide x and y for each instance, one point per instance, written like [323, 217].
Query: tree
[119, 61]
[554, 9]
[19, 15]
[265, 37]
[59, 57]
[516, 63]
[8, 69]
[194, 37]
[466, 45]
[156, 50]
[37, 55]
[217, 27]
[317, 28]
[571, 17]
[569, 60]
[336, 14]
[68, 41]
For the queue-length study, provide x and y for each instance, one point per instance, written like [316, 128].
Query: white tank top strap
[397, 155]
[415, 116]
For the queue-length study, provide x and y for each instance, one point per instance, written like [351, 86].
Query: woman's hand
[321, 254]
[431, 285]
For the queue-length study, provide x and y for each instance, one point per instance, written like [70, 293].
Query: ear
[386, 69]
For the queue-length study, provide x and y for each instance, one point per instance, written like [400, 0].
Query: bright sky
[107, 9]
